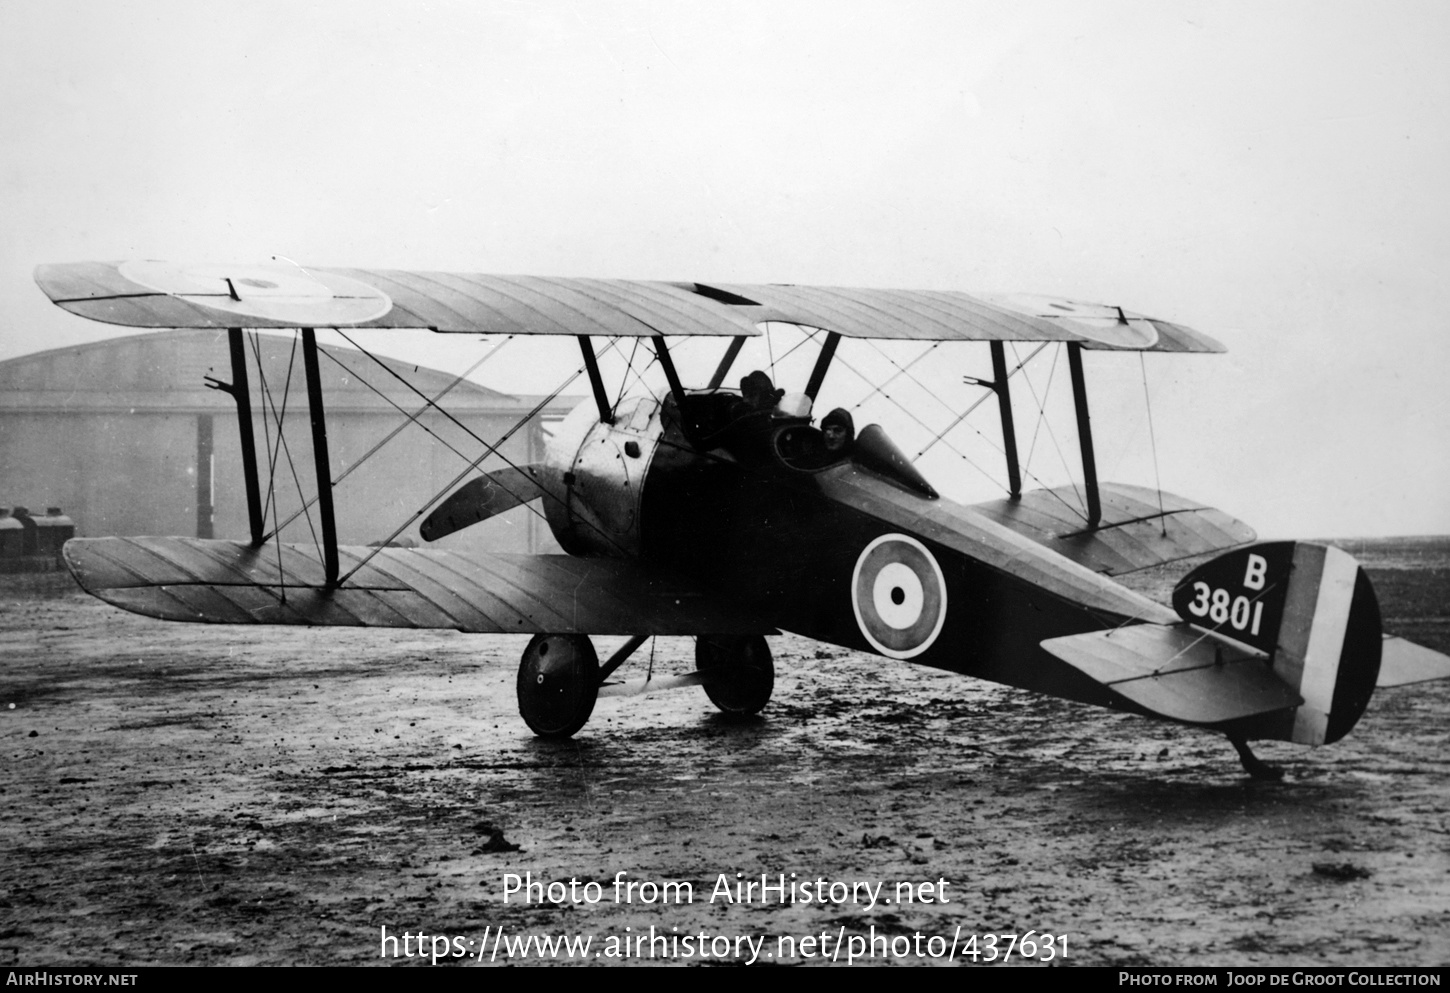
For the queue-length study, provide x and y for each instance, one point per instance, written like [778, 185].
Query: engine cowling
[601, 470]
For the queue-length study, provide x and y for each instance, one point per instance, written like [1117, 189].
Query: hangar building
[126, 437]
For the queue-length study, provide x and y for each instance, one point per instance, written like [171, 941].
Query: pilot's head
[839, 431]
[759, 391]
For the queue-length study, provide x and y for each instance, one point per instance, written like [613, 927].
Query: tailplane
[1278, 641]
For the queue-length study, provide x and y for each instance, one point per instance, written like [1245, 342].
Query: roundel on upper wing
[899, 596]
[1094, 321]
[287, 294]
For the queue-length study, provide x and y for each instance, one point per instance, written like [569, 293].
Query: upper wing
[1140, 527]
[950, 315]
[229, 582]
[165, 295]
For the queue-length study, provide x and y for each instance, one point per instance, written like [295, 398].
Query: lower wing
[1141, 527]
[229, 582]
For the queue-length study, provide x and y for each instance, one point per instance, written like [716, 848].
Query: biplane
[725, 515]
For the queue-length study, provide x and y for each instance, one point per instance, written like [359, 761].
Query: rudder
[1313, 609]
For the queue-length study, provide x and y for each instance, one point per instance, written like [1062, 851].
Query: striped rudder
[1313, 609]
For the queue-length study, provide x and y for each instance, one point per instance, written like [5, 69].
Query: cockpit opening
[764, 427]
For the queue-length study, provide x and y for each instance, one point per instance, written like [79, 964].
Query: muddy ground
[190, 794]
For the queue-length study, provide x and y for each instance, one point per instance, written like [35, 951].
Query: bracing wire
[978, 402]
[287, 449]
[279, 416]
[956, 451]
[408, 419]
[427, 402]
[266, 429]
[901, 370]
[271, 460]
[940, 438]
[1153, 444]
[806, 339]
[489, 449]
[624, 380]
[1042, 422]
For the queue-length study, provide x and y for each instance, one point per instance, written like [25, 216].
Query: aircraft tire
[558, 684]
[740, 674]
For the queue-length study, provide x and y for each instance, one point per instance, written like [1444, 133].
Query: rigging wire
[282, 442]
[1042, 421]
[1153, 444]
[948, 408]
[806, 339]
[267, 428]
[492, 450]
[979, 401]
[408, 419]
[489, 450]
[624, 380]
[427, 402]
[963, 455]
[941, 439]
[900, 370]
[271, 460]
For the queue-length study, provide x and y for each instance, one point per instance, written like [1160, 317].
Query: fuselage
[830, 550]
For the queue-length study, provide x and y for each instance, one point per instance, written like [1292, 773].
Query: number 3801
[1220, 606]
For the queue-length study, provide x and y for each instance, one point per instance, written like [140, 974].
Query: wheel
[558, 683]
[739, 674]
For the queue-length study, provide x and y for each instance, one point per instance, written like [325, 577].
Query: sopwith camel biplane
[733, 514]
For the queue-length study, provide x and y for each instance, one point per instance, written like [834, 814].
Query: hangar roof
[163, 372]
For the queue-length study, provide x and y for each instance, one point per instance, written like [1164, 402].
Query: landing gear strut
[1253, 765]
[738, 674]
[558, 683]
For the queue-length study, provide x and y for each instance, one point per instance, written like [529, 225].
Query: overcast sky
[1273, 175]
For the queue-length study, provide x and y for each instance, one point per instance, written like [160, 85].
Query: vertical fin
[1313, 608]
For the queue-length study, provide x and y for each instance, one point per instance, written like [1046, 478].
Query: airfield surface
[188, 794]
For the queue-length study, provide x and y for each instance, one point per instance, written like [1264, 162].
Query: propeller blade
[482, 498]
